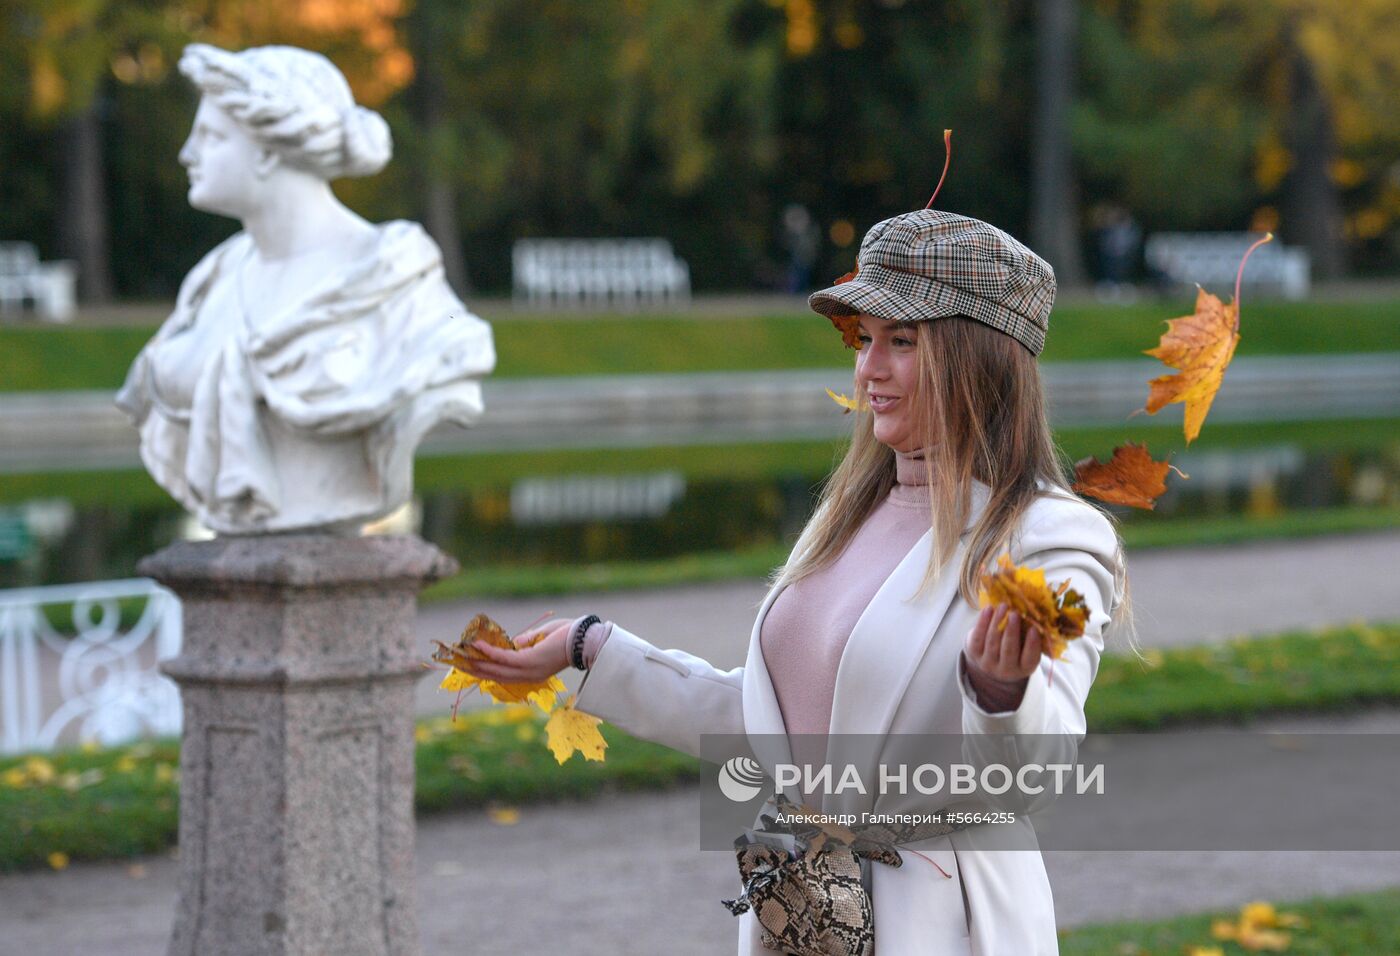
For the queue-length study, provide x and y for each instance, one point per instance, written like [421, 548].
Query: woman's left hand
[1002, 653]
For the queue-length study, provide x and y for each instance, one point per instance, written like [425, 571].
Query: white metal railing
[97, 683]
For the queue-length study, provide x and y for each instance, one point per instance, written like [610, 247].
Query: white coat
[899, 674]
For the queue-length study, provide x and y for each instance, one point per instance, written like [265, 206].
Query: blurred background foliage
[703, 122]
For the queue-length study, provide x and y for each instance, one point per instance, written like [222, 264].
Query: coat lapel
[763, 719]
[889, 639]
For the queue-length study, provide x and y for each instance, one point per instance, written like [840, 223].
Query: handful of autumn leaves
[1059, 615]
[567, 730]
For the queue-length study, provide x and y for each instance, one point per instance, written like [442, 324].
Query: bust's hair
[295, 102]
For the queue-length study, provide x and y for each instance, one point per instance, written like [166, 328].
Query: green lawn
[95, 804]
[98, 357]
[1358, 924]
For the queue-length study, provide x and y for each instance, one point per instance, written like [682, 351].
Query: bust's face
[221, 160]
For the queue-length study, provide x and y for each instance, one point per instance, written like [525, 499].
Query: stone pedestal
[296, 797]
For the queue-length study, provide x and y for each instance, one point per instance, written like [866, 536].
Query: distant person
[309, 353]
[802, 239]
[872, 625]
[1119, 243]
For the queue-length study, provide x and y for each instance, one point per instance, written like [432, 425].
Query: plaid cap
[932, 264]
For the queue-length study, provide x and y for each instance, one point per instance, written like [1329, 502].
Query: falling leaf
[1130, 477]
[1199, 346]
[849, 404]
[1060, 615]
[570, 730]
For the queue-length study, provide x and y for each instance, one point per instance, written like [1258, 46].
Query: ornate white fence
[90, 681]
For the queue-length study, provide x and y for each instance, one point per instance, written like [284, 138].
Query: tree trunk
[428, 104]
[83, 227]
[1054, 198]
[1312, 206]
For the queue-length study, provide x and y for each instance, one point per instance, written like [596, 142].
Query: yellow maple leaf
[542, 694]
[1060, 615]
[458, 656]
[569, 730]
[849, 404]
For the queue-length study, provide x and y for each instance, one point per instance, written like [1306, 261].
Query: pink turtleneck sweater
[807, 626]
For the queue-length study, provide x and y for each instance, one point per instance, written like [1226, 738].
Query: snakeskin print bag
[810, 893]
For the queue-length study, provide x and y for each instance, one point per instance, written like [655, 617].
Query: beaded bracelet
[577, 654]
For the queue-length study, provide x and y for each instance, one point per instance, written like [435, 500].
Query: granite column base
[296, 765]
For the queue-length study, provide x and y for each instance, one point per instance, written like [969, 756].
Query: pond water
[542, 521]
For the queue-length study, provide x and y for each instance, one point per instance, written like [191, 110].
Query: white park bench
[1211, 260]
[49, 285]
[562, 272]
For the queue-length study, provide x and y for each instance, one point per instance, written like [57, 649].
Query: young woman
[872, 626]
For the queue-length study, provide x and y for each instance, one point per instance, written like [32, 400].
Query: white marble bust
[309, 353]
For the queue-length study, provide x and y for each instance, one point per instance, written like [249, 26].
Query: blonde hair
[983, 416]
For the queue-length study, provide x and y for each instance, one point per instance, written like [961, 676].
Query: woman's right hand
[540, 653]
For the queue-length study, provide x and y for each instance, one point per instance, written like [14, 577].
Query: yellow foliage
[1259, 928]
[505, 816]
[849, 404]
[1060, 615]
[570, 730]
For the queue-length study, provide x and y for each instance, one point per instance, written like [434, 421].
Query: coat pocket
[652, 654]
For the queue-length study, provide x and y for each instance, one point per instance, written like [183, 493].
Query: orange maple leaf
[1130, 477]
[1200, 346]
[1059, 615]
[849, 327]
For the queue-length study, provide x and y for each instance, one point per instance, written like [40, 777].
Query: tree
[1054, 192]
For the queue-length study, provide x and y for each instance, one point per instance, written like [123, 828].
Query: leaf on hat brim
[1200, 345]
[848, 276]
[849, 326]
[1130, 477]
[849, 404]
